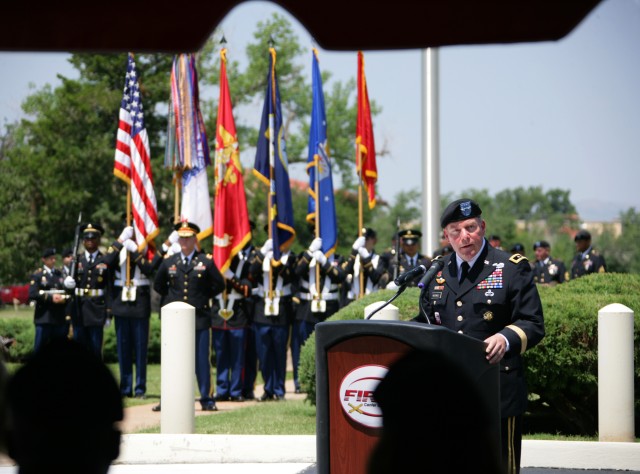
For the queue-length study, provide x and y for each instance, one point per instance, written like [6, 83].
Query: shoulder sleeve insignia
[517, 258]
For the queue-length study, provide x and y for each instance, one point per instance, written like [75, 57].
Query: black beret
[460, 210]
[494, 237]
[186, 229]
[369, 233]
[582, 235]
[517, 248]
[541, 243]
[67, 252]
[92, 231]
[48, 252]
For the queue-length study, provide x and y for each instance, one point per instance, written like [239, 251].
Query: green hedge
[23, 330]
[562, 370]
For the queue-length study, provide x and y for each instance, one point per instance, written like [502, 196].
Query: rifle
[76, 245]
[63, 293]
[396, 267]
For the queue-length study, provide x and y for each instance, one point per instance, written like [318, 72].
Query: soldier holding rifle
[46, 290]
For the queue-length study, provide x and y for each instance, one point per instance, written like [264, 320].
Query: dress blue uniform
[231, 318]
[272, 318]
[48, 317]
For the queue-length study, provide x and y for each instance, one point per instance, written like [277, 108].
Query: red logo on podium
[356, 394]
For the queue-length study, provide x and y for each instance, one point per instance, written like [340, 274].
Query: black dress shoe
[221, 398]
[209, 407]
[278, 398]
[249, 396]
[156, 408]
[141, 396]
[239, 398]
[266, 397]
[298, 390]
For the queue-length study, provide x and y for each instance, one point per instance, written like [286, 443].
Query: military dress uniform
[498, 296]
[316, 301]
[48, 317]
[131, 309]
[195, 281]
[231, 318]
[549, 271]
[370, 271]
[90, 310]
[589, 261]
[273, 314]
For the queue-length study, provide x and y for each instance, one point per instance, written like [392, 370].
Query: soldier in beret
[47, 291]
[587, 259]
[90, 310]
[192, 277]
[547, 270]
[490, 295]
[409, 256]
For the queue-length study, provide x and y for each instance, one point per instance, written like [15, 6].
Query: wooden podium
[351, 359]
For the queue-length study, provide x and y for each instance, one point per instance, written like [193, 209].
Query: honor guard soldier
[365, 269]
[319, 281]
[231, 317]
[547, 270]
[131, 309]
[409, 256]
[191, 277]
[489, 295]
[273, 315]
[587, 260]
[90, 310]
[46, 290]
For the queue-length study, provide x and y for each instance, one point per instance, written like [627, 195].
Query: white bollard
[177, 368]
[615, 374]
[389, 312]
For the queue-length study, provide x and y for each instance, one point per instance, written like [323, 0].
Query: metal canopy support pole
[430, 152]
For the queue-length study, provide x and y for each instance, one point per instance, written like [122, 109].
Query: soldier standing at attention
[409, 255]
[489, 295]
[90, 310]
[46, 290]
[364, 267]
[547, 270]
[190, 276]
[587, 260]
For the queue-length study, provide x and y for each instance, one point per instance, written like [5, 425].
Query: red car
[17, 292]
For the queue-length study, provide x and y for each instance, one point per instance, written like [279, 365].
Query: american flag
[133, 163]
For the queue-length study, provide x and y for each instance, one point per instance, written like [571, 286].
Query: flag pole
[316, 185]
[360, 218]
[128, 280]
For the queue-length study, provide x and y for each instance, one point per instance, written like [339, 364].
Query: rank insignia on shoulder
[517, 258]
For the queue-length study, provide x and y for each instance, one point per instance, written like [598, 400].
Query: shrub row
[562, 370]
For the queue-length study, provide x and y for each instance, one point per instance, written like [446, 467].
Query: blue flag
[271, 165]
[319, 167]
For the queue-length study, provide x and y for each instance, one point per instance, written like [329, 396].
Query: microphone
[436, 265]
[410, 275]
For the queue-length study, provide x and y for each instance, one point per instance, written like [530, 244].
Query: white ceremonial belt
[323, 296]
[134, 282]
[286, 291]
[89, 292]
[305, 284]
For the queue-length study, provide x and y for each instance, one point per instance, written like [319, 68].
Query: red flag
[231, 230]
[365, 147]
[133, 162]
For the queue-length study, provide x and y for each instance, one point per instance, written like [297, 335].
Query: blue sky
[562, 114]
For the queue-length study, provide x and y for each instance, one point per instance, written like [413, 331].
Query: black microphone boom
[436, 265]
[410, 275]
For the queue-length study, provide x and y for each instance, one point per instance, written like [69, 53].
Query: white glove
[130, 245]
[363, 252]
[174, 249]
[165, 248]
[359, 243]
[69, 283]
[320, 257]
[173, 237]
[126, 233]
[228, 274]
[107, 322]
[392, 286]
[267, 247]
[316, 244]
